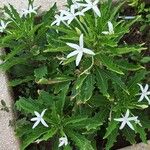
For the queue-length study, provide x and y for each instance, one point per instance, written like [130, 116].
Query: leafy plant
[74, 102]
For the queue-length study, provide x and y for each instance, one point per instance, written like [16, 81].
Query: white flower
[110, 29]
[144, 93]
[79, 50]
[63, 141]
[59, 18]
[39, 118]
[91, 5]
[3, 26]
[71, 14]
[29, 11]
[75, 3]
[126, 120]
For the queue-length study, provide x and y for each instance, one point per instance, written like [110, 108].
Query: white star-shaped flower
[63, 141]
[3, 25]
[110, 29]
[144, 93]
[75, 3]
[79, 50]
[91, 5]
[126, 120]
[59, 18]
[39, 118]
[29, 11]
[71, 14]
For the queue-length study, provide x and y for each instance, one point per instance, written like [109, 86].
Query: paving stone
[140, 146]
[8, 139]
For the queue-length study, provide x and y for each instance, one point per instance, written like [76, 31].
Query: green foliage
[82, 101]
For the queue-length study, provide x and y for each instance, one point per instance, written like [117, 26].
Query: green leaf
[127, 49]
[32, 136]
[49, 134]
[142, 132]
[136, 79]
[116, 79]
[129, 135]
[111, 139]
[57, 49]
[102, 82]
[109, 63]
[27, 105]
[20, 81]
[74, 120]
[63, 94]
[87, 88]
[80, 81]
[40, 72]
[56, 80]
[111, 127]
[128, 66]
[80, 141]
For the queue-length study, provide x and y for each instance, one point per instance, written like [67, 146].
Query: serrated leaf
[56, 80]
[40, 72]
[129, 135]
[80, 141]
[49, 134]
[111, 139]
[57, 49]
[32, 136]
[109, 63]
[27, 105]
[129, 66]
[111, 127]
[112, 76]
[20, 81]
[143, 134]
[102, 82]
[87, 88]
[74, 120]
[80, 81]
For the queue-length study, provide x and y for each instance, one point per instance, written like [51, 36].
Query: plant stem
[82, 27]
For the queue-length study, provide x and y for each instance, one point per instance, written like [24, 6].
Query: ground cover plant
[76, 80]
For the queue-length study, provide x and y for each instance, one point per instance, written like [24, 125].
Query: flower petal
[72, 54]
[81, 41]
[35, 124]
[146, 88]
[141, 87]
[43, 112]
[119, 119]
[97, 11]
[133, 118]
[75, 46]
[130, 125]
[110, 27]
[88, 51]
[79, 57]
[147, 98]
[141, 97]
[95, 2]
[127, 113]
[122, 125]
[37, 114]
[34, 119]
[105, 32]
[44, 123]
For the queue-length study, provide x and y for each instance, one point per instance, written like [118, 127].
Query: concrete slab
[8, 139]
[23, 4]
[139, 146]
